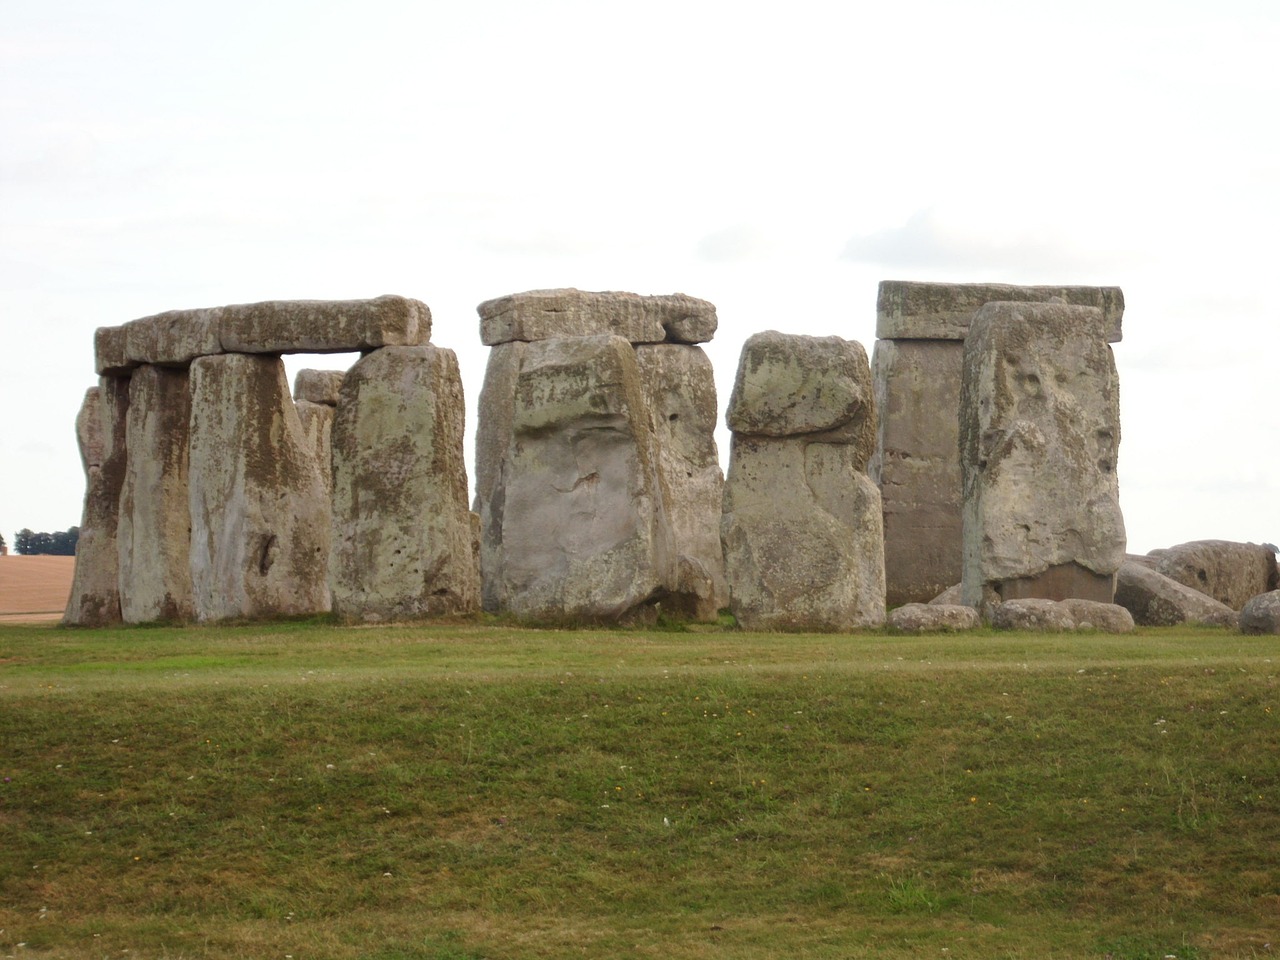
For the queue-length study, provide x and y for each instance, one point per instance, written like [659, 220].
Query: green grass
[455, 792]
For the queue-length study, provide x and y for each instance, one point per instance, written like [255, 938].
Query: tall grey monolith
[315, 395]
[402, 535]
[801, 528]
[259, 508]
[917, 366]
[1039, 433]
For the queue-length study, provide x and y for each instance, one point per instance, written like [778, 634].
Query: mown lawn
[464, 791]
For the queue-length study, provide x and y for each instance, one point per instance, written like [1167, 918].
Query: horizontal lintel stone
[552, 314]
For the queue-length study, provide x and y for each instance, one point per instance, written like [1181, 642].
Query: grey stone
[952, 594]
[323, 326]
[318, 386]
[259, 510]
[917, 465]
[789, 384]
[1156, 601]
[154, 537]
[95, 589]
[173, 338]
[493, 439]
[1103, 617]
[89, 436]
[1033, 614]
[680, 388]
[1039, 431]
[933, 618]
[111, 352]
[583, 528]
[1261, 614]
[402, 544]
[552, 314]
[911, 310]
[316, 421]
[1230, 572]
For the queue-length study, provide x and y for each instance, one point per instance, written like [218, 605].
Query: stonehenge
[965, 475]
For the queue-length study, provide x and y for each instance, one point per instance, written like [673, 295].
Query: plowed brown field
[34, 588]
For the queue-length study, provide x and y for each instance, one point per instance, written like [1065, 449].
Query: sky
[778, 160]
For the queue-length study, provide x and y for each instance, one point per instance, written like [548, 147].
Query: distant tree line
[29, 543]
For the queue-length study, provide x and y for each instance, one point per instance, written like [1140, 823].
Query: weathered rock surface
[1261, 614]
[578, 498]
[933, 618]
[402, 544]
[1231, 573]
[316, 421]
[95, 587]
[952, 594]
[259, 510]
[154, 537]
[680, 388]
[911, 310]
[1048, 616]
[1039, 430]
[801, 529]
[173, 338]
[493, 439]
[318, 386]
[1103, 617]
[1157, 601]
[917, 465]
[89, 436]
[111, 353]
[552, 314]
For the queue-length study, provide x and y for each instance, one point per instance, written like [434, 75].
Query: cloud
[732, 244]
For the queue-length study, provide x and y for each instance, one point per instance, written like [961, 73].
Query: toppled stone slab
[801, 529]
[1046, 616]
[1103, 617]
[402, 545]
[1039, 432]
[916, 464]
[1261, 614]
[154, 537]
[910, 310]
[318, 386]
[95, 589]
[259, 508]
[679, 385]
[1157, 601]
[1230, 572]
[551, 314]
[584, 533]
[934, 618]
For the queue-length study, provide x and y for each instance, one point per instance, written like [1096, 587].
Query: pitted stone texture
[1230, 572]
[95, 587]
[584, 531]
[933, 618]
[802, 536]
[323, 326]
[1039, 430]
[1045, 616]
[909, 310]
[552, 314]
[789, 385]
[402, 534]
[111, 352]
[318, 386]
[173, 338]
[952, 594]
[89, 436]
[917, 465]
[316, 420]
[493, 439]
[154, 539]
[680, 387]
[1261, 614]
[259, 510]
[1156, 601]
[1103, 617]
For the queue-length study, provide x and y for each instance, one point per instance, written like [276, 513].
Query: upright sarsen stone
[402, 535]
[154, 538]
[801, 527]
[259, 509]
[95, 588]
[1039, 432]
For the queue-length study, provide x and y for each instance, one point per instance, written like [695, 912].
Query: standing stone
[583, 527]
[1230, 572]
[917, 366]
[89, 436]
[801, 529]
[154, 539]
[1039, 431]
[680, 386]
[315, 394]
[259, 511]
[493, 439]
[402, 544]
[95, 588]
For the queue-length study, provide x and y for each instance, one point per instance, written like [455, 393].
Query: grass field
[448, 792]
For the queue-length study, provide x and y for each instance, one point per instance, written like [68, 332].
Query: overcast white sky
[776, 159]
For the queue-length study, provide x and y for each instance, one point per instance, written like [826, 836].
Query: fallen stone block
[1103, 617]
[1032, 614]
[1157, 601]
[933, 618]
[1231, 573]
[1261, 614]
